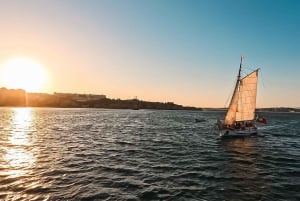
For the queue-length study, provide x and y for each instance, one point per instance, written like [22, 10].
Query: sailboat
[240, 115]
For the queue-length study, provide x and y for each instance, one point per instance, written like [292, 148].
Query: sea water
[101, 154]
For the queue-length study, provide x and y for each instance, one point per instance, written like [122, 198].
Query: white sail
[247, 97]
[243, 102]
[233, 106]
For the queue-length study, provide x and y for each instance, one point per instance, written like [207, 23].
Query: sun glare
[23, 73]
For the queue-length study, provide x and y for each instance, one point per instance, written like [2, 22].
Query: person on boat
[243, 125]
[249, 124]
[238, 125]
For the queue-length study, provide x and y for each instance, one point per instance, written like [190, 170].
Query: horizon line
[134, 97]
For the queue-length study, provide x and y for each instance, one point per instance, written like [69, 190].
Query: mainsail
[243, 101]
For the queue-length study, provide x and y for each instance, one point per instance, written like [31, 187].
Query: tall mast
[239, 75]
[232, 109]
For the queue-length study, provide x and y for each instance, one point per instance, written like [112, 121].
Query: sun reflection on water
[18, 157]
[20, 125]
[18, 162]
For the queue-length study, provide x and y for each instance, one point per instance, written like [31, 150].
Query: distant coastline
[20, 98]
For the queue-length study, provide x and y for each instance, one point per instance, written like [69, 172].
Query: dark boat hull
[238, 132]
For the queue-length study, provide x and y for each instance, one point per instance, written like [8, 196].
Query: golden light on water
[18, 156]
[21, 123]
[24, 73]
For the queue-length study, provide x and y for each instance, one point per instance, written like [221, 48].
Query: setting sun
[23, 73]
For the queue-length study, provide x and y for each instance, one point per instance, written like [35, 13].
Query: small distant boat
[199, 120]
[240, 115]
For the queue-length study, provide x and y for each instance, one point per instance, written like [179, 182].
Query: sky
[180, 51]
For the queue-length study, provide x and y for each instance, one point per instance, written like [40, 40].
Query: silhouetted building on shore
[12, 97]
[80, 97]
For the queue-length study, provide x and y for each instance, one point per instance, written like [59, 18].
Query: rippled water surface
[97, 154]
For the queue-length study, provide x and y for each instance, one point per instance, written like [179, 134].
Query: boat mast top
[239, 75]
